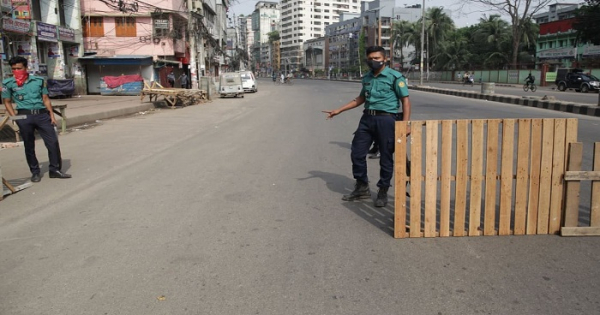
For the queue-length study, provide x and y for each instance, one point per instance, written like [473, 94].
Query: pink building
[130, 37]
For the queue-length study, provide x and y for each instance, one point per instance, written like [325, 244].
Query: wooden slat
[431, 173]
[595, 200]
[508, 139]
[582, 175]
[573, 187]
[476, 177]
[489, 226]
[522, 176]
[558, 172]
[462, 158]
[534, 176]
[400, 180]
[580, 231]
[446, 177]
[415, 180]
[545, 176]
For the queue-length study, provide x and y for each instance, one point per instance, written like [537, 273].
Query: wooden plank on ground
[595, 200]
[445, 181]
[545, 176]
[580, 231]
[491, 172]
[431, 173]
[524, 126]
[506, 173]
[558, 173]
[534, 176]
[462, 160]
[476, 177]
[400, 180]
[415, 178]
[573, 187]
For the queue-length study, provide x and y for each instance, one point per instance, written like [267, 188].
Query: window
[125, 27]
[93, 26]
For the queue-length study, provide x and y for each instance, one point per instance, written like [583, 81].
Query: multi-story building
[242, 25]
[304, 20]
[48, 34]
[557, 44]
[316, 56]
[124, 37]
[265, 19]
[343, 39]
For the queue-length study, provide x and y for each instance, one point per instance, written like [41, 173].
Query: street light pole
[422, 40]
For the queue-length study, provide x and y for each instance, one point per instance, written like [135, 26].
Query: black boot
[361, 191]
[382, 198]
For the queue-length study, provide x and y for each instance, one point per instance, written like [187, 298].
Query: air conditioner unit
[196, 5]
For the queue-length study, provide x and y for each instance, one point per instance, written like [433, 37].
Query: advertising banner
[66, 34]
[23, 48]
[46, 32]
[16, 26]
[21, 9]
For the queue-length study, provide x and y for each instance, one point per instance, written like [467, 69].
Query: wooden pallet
[481, 177]
[573, 177]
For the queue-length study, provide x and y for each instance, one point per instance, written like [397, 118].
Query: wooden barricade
[573, 176]
[481, 176]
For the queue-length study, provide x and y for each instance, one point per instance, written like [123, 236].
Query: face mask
[375, 65]
[20, 76]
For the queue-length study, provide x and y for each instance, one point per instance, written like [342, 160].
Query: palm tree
[453, 53]
[438, 25]
[412, 36]
[493, 30]
[400, 36]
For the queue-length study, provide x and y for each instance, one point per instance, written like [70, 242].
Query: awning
[160, 62]
[132, 60]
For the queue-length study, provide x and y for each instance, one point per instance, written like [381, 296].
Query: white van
[249, 81]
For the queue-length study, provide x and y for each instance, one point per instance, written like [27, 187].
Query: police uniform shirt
[383, 91]
[28, 96]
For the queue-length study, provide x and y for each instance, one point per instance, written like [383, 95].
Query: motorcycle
[469, 81]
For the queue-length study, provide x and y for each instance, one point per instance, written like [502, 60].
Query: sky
[463, 15]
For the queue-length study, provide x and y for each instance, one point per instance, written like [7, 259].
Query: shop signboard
[46, 32]
[557, 53]
[66, 34]
[16, 26]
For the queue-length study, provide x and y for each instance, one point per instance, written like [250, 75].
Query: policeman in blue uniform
[30, 95]
[385, 95]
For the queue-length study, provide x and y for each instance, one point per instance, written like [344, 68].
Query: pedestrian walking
[171, 79]
[184, 81]
[385, 95]
[30, 95]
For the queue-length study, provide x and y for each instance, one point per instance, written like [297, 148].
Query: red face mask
[20, 76]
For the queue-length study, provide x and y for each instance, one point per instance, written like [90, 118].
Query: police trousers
[42, 123]
[379, 129]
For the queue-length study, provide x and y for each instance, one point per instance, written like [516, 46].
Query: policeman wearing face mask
[30, 95]
[385, 95]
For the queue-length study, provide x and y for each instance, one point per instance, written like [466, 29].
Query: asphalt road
[234, 207]
[566, 96]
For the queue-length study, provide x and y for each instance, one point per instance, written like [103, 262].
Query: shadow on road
[382, 218]
[345, 145]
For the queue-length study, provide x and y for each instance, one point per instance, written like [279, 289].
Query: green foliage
[362, 50]
[273, 36]
[587, 26]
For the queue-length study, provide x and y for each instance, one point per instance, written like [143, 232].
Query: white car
[248, 81]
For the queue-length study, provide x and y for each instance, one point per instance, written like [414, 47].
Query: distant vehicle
[249, 81]
[230, 84]
[577, 80]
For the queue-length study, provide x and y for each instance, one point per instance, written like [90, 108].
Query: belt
[32, 111]
[372, 112]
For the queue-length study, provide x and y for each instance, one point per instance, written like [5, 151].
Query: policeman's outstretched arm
[352, 104]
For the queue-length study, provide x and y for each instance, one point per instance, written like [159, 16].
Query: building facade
[557, 44]
[343, 45]
[304, 20]
[265, 19]
[47, 33]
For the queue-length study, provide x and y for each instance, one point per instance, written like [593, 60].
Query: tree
[273, 36]
[519, 12]
[362, 50]
[400, 36]
[493, 30]
[438, 25]
[587, 26]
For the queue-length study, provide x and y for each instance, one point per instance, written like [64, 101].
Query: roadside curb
[78, 120]
[568, 107]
